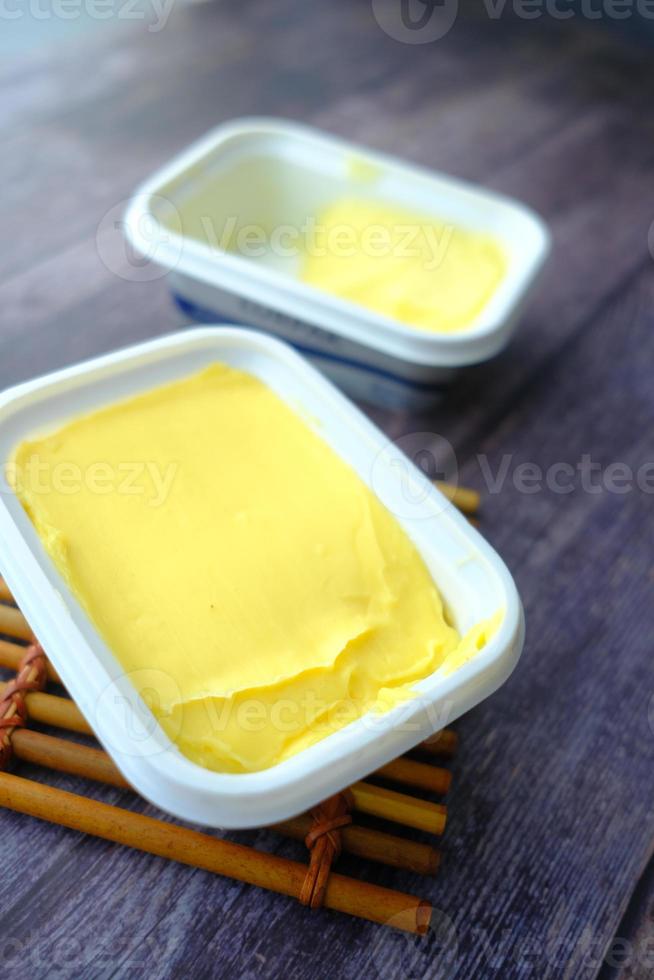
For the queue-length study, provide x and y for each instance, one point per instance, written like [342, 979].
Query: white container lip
[472, 579]
[521, 230]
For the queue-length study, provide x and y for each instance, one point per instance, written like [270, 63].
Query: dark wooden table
[547, 870]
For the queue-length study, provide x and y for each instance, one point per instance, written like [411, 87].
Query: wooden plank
[584, 567]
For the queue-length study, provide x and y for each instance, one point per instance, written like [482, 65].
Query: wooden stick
[48, 709]
[10, 657]
[465, 499]
[13, 709]
[386, 803]
[443, 744]
[417, 774]
[209, 853]
[374, 800]
[13, 623]
[375, 845]
[63, 755]
[91, 763]
[62, 712]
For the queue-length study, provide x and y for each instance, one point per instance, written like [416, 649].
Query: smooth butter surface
[260, 593]
[427, 274]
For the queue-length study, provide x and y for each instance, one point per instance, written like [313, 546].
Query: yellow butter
[427, 274]
[258, 593]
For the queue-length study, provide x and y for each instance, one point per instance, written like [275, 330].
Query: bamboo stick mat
[334, 826]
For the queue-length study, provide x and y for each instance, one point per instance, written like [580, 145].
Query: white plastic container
[472, 579]
[270, 174]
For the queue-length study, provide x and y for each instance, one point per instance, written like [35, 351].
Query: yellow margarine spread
[256, 590]
[428, 274]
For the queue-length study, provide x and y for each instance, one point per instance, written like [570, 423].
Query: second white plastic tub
[272, 176]
[472, 579]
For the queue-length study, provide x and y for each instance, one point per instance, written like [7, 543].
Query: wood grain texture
[552, 809]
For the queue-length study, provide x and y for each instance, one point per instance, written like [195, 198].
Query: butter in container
[387, 276]
[134, 493]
